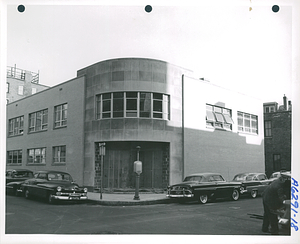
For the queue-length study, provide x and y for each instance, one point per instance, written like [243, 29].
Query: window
[218, 117]
[59, 154]
[38, 121]
[118, 104]
[60, 114]
[37, 156]
[14, 157]
[145, 104]
[269, 109]
[133, 105]
[268, 128]
[7, 87]
[247, 123]
[21, 90]
[33, 90]
[15, 126]
[276, 162]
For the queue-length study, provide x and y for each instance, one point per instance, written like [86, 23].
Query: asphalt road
[224, 217]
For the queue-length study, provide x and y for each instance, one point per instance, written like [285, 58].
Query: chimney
[290, 106]
[285, 102]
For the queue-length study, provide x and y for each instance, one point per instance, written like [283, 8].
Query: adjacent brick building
[182, 125]
[21, 83]
[277, 134]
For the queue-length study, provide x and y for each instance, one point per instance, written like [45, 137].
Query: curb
[130, 203]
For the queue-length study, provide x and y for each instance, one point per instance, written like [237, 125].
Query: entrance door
[118, 165]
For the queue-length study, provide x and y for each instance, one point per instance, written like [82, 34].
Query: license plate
[74, 198]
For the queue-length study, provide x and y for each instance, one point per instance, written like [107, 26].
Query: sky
[249, 51]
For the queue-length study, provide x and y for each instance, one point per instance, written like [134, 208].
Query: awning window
[210, 116]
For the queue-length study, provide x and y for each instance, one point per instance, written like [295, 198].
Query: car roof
[203, 174]
[19, 170]
[250, 174]
[50, 171]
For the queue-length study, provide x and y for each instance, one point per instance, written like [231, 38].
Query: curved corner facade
[130, 103]
[119, 111]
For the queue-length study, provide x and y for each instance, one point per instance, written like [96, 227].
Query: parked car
[18, 175]
[15, 178]
[53, 185]
[253, 184]
[276, 175]
[204, 186]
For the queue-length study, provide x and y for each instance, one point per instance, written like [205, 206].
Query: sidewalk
[125, 199]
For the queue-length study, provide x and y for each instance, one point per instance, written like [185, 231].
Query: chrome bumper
[180, 196]
[69, 198]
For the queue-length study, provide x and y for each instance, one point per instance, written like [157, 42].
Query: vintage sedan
[15, 178]
[18, 175]
[253, 184]
[53, 185]
[276, 175]
[204, 186]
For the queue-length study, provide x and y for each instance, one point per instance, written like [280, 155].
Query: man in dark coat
[273, 197]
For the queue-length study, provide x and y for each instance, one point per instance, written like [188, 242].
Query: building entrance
[118, 165]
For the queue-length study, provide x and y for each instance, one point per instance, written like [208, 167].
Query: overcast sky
[231, 46]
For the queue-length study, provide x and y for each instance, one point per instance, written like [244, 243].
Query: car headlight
[58, 188]
[85, 189]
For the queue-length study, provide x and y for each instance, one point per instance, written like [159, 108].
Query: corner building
[182, 125]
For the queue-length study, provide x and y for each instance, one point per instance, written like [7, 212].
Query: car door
[222, 188]
[40, 189]
[34, 186]
[264, 182]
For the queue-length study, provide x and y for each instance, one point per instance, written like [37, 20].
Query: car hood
[62, 184]
[196, 183]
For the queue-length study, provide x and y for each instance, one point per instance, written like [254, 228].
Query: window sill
[15, 135]
[247, 133]
[36, 164]
[60, 127]
[58, 164]
[32, 132]
[12, 164]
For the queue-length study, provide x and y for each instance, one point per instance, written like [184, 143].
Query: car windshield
[275, 175]
[216, 178]
[241, 177]
[193, 178]
[59, 176]
[21, 174]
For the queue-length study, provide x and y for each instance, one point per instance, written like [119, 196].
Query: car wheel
[253, 193]
[203, 198]
[235, 195]
[27, 194]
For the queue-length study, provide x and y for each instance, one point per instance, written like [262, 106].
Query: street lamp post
[102, 153]
[138, 171]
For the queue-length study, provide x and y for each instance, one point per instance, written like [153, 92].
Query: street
[223, 217]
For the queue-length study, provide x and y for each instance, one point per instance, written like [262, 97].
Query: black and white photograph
[150, 121]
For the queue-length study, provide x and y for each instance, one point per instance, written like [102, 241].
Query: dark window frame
[59, 154]
[38, 121]
[132, 104]
[60, 115]
[11, 159]
[16, 126]
[36, 158]
[268, 128]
